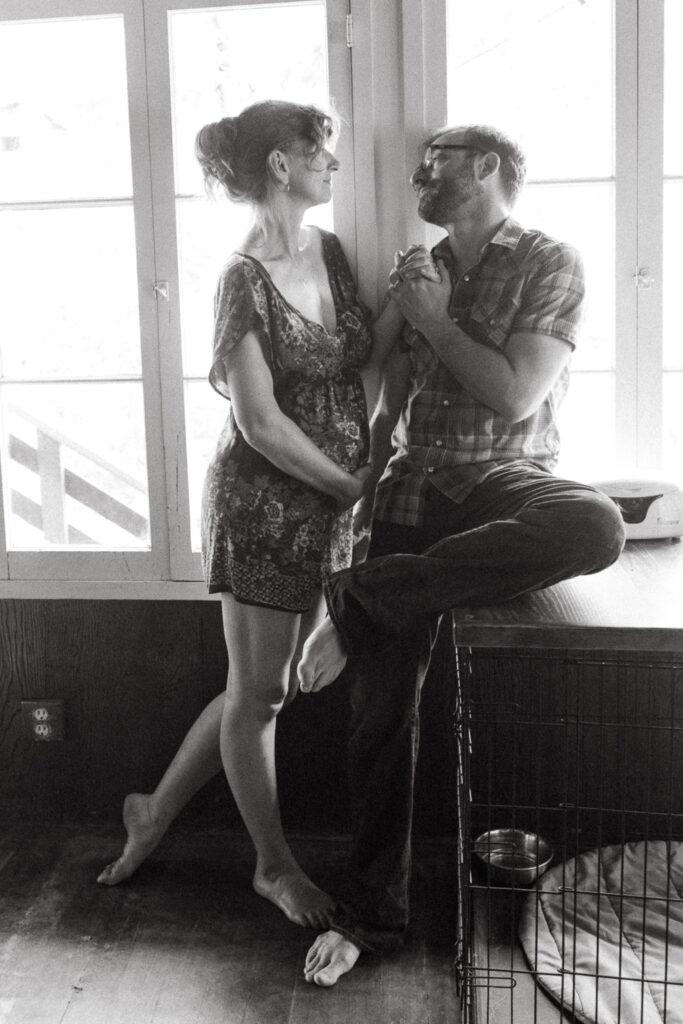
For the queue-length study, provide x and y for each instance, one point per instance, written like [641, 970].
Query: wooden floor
[186, 941]
[504, 989]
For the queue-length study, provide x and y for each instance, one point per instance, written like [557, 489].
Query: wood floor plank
[187, 941]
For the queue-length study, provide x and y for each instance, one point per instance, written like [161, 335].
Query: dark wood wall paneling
[133, 676]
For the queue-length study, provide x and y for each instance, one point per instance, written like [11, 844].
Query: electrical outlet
[43, 719]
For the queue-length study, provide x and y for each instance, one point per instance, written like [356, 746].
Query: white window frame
[169, 569]
[114, 565]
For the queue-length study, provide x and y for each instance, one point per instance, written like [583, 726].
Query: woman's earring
[286, 186]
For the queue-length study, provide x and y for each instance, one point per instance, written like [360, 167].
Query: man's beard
[442, 199]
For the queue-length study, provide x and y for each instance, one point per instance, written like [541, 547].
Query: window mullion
[177, 506]
[340, 88]
[147, 297]
[650, 229]
[626, 229]
[425, 92]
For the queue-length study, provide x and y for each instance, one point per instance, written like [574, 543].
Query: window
[109, 254]
[672, 355]
[110, 249]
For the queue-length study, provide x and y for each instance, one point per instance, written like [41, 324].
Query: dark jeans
[520, 530]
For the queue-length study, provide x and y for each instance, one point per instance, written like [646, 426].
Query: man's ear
[278, 168]
[489, 165]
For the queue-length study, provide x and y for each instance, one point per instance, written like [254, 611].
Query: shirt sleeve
[552, 303]
[240, 306]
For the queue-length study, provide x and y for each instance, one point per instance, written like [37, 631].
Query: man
[468, 512]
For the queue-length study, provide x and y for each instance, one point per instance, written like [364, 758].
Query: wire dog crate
[582, 754]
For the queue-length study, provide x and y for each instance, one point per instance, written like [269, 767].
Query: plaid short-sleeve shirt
[524, 281]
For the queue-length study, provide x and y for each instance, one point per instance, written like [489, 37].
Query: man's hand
[416, 261]
[424, 302]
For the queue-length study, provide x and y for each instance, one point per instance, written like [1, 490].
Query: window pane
[673, 274]
[63, 109]
[673, 425]
[673, 87]
[70, 302]
[672, 341]
[541, 71]
[582, 215]
[221, 61]
[224, 59]
[75, 466]
[208, 231]
[205, 415]
[588, 443]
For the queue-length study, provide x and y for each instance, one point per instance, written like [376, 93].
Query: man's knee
[598, 531]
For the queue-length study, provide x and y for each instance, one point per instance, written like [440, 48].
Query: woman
[291, 336]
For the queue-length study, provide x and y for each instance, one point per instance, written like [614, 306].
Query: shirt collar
[508, 236]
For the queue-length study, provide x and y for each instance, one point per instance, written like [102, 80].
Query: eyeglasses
[433, 150]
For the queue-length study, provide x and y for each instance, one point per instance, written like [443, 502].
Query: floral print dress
[267, 537]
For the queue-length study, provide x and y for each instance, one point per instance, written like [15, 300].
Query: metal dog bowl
[511, 856]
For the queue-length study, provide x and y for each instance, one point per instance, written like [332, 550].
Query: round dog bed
[603, 932]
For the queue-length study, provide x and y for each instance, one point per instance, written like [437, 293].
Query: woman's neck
[277, 234]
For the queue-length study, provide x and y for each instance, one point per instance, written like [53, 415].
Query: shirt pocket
[491, 321]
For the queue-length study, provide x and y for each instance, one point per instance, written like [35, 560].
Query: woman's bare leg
[147, 816]
[262, 644]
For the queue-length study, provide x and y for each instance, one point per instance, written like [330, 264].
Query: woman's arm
[394, 391]
[270, 432]
[386, 330]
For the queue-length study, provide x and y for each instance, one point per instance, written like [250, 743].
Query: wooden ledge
[635, 605]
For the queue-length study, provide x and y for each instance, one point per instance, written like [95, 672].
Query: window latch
[160, 289]
[642, 278]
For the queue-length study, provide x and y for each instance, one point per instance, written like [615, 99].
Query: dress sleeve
[340, 271]
[241, 305]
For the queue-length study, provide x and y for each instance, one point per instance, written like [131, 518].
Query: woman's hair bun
[215, 151]
[234, 151]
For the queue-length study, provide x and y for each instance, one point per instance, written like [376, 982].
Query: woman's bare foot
[295, 895]
[142, 836]
[330, 956]
[323, 658]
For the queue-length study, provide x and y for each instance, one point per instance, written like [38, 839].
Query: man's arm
[513, 381]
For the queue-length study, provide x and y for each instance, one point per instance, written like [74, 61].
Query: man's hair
[492, 140]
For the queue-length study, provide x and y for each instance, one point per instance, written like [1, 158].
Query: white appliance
[650, 508]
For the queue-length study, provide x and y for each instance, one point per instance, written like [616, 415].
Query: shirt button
[455, 319]
[492, 320]
[466, 277]
[430, 469]
[439, 443]
[446, 402]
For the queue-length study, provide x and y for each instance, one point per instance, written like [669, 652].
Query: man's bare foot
[322, 659]
[142, 837]
[295, 895]
[330, 956]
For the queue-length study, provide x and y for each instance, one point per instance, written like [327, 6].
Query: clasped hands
[420, 288]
